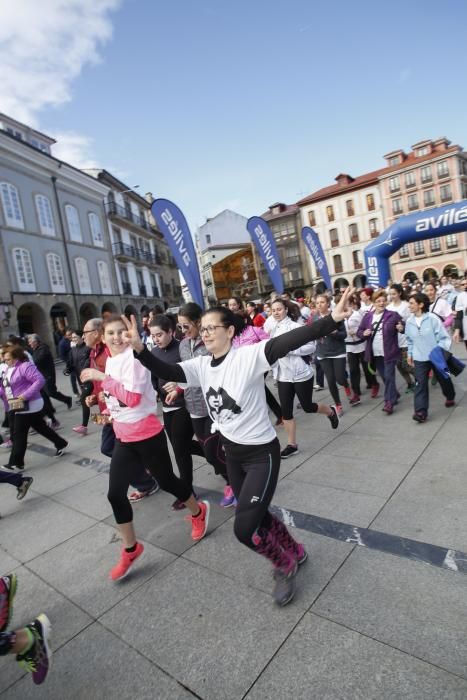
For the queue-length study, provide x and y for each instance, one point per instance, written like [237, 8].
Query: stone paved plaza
[197, 620]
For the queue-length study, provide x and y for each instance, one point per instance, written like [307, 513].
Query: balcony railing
[114, 209]
[292, 260]
[126, 288]
[155, 292]
[142, 290]
[130, 251]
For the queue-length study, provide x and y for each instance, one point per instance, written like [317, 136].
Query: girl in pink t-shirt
[140, 439]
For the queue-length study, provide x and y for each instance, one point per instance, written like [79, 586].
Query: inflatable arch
[415, 227]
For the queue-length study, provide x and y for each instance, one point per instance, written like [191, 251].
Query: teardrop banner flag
[263, 238]
[312, 242]
[172, 223]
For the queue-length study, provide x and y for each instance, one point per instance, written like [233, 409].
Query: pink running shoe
[199, 524]
[229, 499]
[81, 430]
[127, 559]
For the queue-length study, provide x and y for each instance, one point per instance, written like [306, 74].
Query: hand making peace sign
[132, 334]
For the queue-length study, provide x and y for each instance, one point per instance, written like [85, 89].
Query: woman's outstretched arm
[161, 369]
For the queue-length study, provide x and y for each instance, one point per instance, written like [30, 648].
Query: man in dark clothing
[64, 349]
[45, 364]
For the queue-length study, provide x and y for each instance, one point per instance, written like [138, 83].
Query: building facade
[235, 275]
[220, 237]
[285, 224]
[346, 216]
[349, 214]
[432, 174]
[55, 253]
[145, 269]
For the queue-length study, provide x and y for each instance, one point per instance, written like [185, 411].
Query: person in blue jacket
[424, 331]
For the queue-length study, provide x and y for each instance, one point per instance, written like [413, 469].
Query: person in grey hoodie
[192, 345]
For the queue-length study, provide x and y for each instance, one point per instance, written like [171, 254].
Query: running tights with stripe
[154, 454]
[253, 471]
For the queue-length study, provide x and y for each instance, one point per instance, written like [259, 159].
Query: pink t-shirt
[130, 398]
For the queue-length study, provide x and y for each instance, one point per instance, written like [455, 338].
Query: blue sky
[240, 104]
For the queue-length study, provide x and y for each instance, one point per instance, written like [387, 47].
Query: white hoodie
[292, 367]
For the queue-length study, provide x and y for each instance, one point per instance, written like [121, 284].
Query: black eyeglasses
[209, 330]
[93, 330]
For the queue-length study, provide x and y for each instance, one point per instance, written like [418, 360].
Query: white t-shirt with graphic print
[127, 370]
[234, 393]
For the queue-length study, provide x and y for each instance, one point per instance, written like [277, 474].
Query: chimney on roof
[344, 179]
[441, 144]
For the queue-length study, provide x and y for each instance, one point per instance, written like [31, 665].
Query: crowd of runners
[207, 369]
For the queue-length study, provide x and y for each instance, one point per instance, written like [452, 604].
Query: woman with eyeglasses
[177, 421]
[192, 345]
[380, 328]
[232, 382]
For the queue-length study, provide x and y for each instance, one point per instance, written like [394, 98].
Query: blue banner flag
[172, 223]
[312, 242]
[263, 239]
[419, 226]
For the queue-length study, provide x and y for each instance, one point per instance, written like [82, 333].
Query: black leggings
[211, 444]
[253, 472]
[304, 392]
[334, 370]
[19, 427]
[154, 454]
[86, 390]
[272, 402]
[357, 359]
[179, 429]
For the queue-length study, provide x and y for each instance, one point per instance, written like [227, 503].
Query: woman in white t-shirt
[233, 385]
[399, 304]
[139, 439]
[294, 376]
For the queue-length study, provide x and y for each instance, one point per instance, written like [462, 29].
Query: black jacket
[170, 354]
[44, 361]
[78, 359]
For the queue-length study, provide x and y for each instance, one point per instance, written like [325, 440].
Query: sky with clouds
[238, 104]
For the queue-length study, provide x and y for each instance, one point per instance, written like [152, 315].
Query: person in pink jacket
[250, 335]
[21, 379]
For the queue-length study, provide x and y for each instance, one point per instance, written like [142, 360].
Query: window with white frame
[82, 272]
[104, 277]
[412, 201]
[24, 271]
[45, 216]
[397, 206]
[443, 168]
[410, 180]
[451, 240]
[56, 276]
[74, 226]
[96, 230]
[404, 251]
[394, 184]
[426, 174]
[419, 248]
[428, 198]
[11, 205]
[445, 192]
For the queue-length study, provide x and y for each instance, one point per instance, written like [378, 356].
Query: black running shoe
[60, 450]
[23, 488]
[334, 418]
[289, 451]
